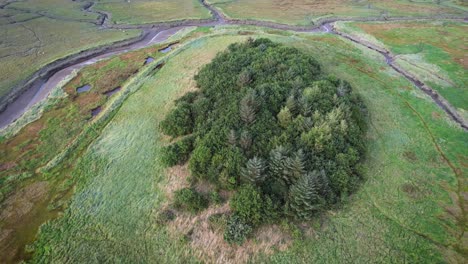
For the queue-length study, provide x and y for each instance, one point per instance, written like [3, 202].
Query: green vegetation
[319, 126]
[150, 11]
[177, 153]
[237, 230]
[433, 51]
[306, 12]
[57, 136]
[407, 209]
[190, 200]
[104, 166]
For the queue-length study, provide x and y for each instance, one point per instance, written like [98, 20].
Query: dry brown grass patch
[21, 203]
[208, 243]
[209, 246]
[176, 179]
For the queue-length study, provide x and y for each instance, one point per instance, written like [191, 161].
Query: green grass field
[144, 11]
[305, 12]
[52, 132]
[432, 51]
[406, 210]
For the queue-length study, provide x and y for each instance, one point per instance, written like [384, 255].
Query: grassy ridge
[398, 215]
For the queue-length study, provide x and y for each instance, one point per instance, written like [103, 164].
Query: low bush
[247, 203]
[237, 230]
[189, 199]
[179, 121]
[215, 198]
[177, 153]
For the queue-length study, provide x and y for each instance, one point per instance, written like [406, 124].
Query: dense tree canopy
[266, 116]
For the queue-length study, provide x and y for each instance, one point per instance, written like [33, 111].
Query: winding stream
[152, 34]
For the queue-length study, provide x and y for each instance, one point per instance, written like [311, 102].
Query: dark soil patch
[113, 91]
[411, 156]
[96, 111]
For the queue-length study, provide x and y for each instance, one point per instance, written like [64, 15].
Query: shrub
[178, 152]
[247, 203]
[165, 216]
[190, 200]
[179, 121]
[215, 197]
[237, 230]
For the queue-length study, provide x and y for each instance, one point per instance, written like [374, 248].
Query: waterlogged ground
[408, 209]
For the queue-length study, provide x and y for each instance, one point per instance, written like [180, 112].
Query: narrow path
[38, 86]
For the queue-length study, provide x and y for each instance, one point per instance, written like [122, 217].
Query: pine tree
[304, 107]
[284, 117]
[254, 172]
[295, 167]
[248, 108]
[291, 104]
[324, 187]
[308, 123]
[304, 197]
[232, 137]
[245, 140]
[277, 163]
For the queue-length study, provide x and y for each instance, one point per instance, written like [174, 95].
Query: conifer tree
[232, 137]
[304, 197]
[295, 167]
[324, 187]
[291, 104]
[254, 172]
[284, 117]
[245, 140]
[277, 164]
[248, 108]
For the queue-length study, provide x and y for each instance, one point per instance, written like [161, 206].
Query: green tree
[304, 198]
[295, 166]
[247, 202]
[284, 117]
[248, 108]
[232, 137]
[254, 172]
